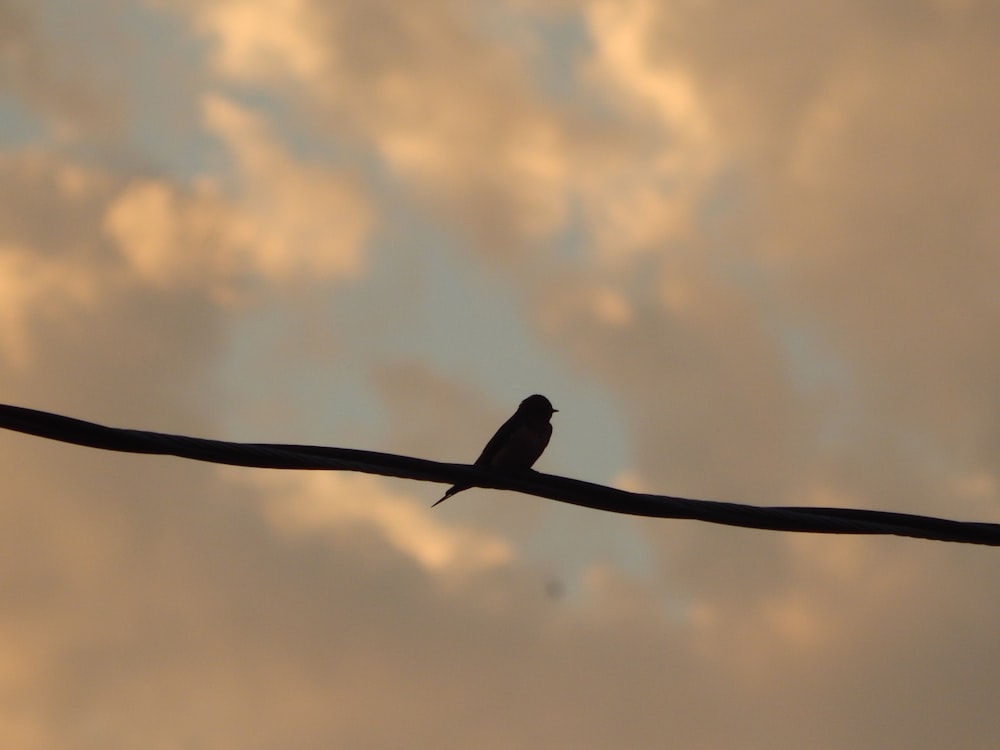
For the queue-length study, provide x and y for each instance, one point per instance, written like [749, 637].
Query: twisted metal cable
[574, 491]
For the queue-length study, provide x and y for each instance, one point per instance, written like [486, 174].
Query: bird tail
[452, 491]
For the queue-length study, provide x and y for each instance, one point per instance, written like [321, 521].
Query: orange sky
[749, 251]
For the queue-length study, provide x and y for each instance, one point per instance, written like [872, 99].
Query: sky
[748, 250]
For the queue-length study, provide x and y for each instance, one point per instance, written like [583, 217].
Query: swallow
[519, 441]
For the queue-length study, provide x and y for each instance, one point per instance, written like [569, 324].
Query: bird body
[519, 441]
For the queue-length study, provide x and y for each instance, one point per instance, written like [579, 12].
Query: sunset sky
[750, 251]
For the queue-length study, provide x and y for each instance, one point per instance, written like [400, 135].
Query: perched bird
[519, 441]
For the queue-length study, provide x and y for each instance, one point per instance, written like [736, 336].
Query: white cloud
[282, 221]
[255, 41]
[174, 238]
[35, 290]
[339, 503]
[305, 222]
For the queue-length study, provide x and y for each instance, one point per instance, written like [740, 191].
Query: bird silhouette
[519, 441]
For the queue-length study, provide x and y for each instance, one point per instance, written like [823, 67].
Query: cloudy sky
[750, 250]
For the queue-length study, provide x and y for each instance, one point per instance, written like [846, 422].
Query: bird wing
[525, 444]
[498, 440]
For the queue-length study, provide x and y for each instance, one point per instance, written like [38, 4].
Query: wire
[574, 491]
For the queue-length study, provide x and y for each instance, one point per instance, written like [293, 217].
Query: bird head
[537, 407]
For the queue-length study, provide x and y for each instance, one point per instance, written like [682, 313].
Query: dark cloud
[52, 76]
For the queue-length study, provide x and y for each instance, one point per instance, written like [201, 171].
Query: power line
[574, 491]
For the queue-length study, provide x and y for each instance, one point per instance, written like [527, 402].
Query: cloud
[48, 252]
[306, 222]
[51, 75]
[301, 505]
[284, 221]
[784, 280]
[455, 113]
[473, 139]
[177, 238]
[255, 42]
[32, 288]
[855, 231]
[823, 336]
[426, 412]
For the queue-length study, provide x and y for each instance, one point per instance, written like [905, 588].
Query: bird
[519, 441]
